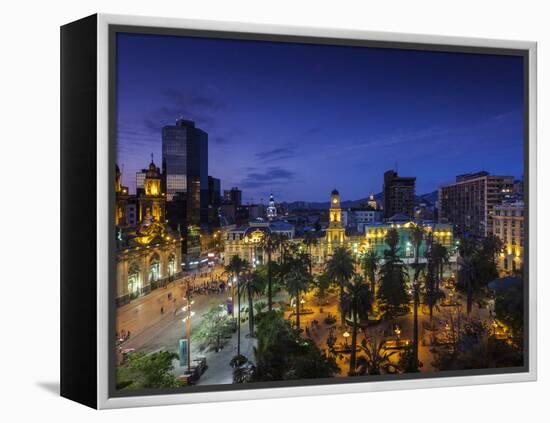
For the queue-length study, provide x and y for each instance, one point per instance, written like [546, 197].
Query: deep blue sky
[300, 120]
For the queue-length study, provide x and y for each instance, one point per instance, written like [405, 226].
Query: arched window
[135, 282]
[154, 268]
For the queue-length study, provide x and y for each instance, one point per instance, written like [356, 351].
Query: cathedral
[148, 252]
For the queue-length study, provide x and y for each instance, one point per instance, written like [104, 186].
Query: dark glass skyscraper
[185, 163]
[174, 158]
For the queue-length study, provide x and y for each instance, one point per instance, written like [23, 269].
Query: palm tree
[492, 247]
[296, 279]
[440, 255]
[309, 241]
[237, 267]
[358, 300]
[467, 250]
[340, 269]
[252, 286]
[369, 263]
[376, 360]
[281, 243]
[431, 280]
[269, 244]
[416, 233]
[392, 291]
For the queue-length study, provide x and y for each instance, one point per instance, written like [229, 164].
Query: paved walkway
[154, 331]
[158, 306]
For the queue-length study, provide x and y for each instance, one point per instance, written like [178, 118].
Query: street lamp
[346, 336]
[187, 319]
[302, 302]
[397, 331]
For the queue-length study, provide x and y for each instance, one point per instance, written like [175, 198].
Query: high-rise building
[508, 226]
[398, 194]
[185, 163]
[234, 195]
[174, 158]
[214, 192]
[469, 202]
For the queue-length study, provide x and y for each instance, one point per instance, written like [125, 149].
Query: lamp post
[346, 336]
[397, 331]
[302, 302]
[236, 281]
[187, 319]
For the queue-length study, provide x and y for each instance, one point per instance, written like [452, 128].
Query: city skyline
[277, 122]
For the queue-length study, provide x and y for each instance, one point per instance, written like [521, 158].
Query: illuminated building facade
[508, 225]
[244, 241]
[376, 234]
[148, 252]
[152, 200]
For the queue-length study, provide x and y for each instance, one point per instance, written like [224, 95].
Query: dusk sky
[300, 120]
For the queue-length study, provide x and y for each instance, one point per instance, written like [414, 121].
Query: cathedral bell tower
[335, 233]
[152, 202]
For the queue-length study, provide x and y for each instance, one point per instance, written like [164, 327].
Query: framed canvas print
[253, 211]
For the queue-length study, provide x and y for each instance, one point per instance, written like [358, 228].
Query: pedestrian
[162, 310]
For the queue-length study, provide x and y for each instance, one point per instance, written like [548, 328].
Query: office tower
[214, 192]
[469, 202]
[174, 158]
[234, 195]
[399, 194]
[185, 164]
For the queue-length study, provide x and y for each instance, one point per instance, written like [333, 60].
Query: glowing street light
[187, 319]
[397, 331]
[346, 336]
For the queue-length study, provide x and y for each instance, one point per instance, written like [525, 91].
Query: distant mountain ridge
[430, 197]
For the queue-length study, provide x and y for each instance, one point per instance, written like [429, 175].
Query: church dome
[152, 172]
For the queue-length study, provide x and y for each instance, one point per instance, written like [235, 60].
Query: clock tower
[335, 233]
[272, 208]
